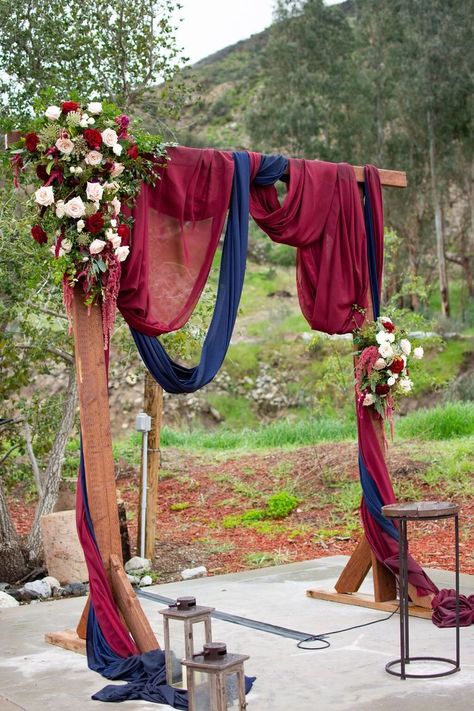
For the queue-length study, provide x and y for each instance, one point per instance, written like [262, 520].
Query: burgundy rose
[382, 389]
[31, 141]
[388, 326]
[38, 234]
[68, 106]
[123, 121]
[108, 166]
[93, 138]
[133, 152]
[397, 365]
[124, 232]
[94, 223]
[41, 172]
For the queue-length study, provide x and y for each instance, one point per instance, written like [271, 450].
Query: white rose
[117, 149]
[379, 364]
[382, 337]
[75, 208]
[44, 196]
[78, 170]
[418, 353]
[65, 145]
[83, 123]
[97, 246]
[109, 137]
[80, 225]
[391, 381]
[122, 253]
[93, 158]
[90, 121]
[53, 113]
[405, 384]
[117, 170]
[115, 239]
[368, 400]
[60, 212]
[94, 191]
[116, 204]
[405, 345]
[386, 350]
[94, 107]
[66, 246]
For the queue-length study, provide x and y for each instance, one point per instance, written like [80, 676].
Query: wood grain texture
[95, 426]
[128, 604]
[153, 406]
[362, 600]
[68, 639]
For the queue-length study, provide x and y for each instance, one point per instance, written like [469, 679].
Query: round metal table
[417, 511]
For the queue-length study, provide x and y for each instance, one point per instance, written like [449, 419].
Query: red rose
[41, 173]
[31, 141]
[397, 365]
[68, 106]
[38, 234]
[133, 151]
[94, 223]
[388, 325]
[382, 389]
[124, 232]
[93, 138]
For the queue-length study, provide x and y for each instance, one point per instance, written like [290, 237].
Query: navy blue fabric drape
[172, 376]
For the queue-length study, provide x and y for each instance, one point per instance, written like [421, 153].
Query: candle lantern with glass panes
[187, 627]
[215, 679]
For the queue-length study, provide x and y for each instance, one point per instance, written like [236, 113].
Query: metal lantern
[216, 679]
[187, 627]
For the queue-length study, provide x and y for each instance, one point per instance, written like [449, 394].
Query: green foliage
[43, 50]
[265, 559]
[443, 422]
[180, 506]
[279, 505]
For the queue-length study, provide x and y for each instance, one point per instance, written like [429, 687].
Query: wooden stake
[153, 406]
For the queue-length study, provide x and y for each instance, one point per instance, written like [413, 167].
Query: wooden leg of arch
[100, 474]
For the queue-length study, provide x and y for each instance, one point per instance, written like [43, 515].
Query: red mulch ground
[214, 489]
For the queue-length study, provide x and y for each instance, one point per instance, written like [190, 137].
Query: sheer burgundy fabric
[321, 215]
[178, 224]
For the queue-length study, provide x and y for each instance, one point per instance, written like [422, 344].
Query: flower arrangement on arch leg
[382, 372]
[82, 164]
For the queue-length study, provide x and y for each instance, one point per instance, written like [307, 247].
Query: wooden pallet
[364, 600]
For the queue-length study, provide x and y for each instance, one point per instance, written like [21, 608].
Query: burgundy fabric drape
[178, 224]
[321, 215]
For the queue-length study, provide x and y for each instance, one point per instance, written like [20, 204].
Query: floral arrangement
[383, 366]
[82, 166]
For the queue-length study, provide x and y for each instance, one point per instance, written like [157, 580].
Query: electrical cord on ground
[326, 643]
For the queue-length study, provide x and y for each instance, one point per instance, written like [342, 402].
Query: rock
[198, 572]
[76, 589]
[146, 580]
[42, 587]
[53, 582]
[62, 551]
[7, 600]
[137, 563]
[4, 587]
[133, 579]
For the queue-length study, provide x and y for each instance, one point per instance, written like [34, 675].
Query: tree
[115, 49]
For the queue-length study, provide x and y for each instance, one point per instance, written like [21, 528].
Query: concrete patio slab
[349, 676]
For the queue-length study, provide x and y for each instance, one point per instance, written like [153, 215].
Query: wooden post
[153, 406]
[99, 463]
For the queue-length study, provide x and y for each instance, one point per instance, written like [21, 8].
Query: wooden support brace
[129, 606]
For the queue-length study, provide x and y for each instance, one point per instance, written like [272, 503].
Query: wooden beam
[356, 569]
[388, 178]
[67, 639]
[95, 426]
[129, 606]
[153, 406]
[362, 600]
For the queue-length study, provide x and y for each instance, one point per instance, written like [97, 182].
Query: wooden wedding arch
[92, 387]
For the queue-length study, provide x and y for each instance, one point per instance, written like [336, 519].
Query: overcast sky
[210, 25]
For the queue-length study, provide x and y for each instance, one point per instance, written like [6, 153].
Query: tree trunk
[442, 271]
[52, 474]
[12, 562]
